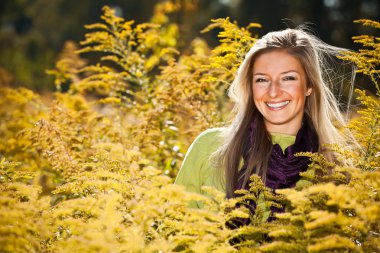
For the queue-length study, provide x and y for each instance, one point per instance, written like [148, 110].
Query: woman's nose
[273, 90]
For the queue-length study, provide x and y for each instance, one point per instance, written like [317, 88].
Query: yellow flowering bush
[93, 170]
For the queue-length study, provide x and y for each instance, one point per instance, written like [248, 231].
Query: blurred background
[33, 32]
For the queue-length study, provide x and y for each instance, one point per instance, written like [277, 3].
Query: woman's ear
[308, 92]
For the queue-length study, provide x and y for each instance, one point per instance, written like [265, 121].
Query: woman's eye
[260, 80]
[289, 78]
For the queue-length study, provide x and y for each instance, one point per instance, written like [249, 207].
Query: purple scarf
[283, 167]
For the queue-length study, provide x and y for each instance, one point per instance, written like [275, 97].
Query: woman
[283, 106]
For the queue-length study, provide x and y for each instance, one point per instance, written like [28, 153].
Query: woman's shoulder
[208, 141]
[210, 136]
[212, 132]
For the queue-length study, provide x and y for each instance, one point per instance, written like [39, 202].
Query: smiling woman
[283, 106]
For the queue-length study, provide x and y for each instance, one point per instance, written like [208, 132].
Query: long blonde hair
[321, 108]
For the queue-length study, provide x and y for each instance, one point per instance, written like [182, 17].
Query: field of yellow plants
[93, 169]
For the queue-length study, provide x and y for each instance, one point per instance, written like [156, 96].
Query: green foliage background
[92, 171]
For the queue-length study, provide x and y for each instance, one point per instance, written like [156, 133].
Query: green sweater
[197, 169]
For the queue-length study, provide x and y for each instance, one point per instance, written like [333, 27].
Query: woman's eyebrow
[288, 71]
[282, 73]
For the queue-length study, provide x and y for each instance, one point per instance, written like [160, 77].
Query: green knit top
[197, 169]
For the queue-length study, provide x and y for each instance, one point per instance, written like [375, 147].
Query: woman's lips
[277, 105]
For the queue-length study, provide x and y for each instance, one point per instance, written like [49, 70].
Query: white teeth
[278, 105]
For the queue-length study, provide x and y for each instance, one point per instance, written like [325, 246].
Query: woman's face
[280, 90]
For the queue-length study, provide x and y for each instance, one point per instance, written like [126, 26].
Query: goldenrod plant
[92, 170]
[367, 58]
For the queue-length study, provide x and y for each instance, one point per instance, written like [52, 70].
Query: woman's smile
[277, 105]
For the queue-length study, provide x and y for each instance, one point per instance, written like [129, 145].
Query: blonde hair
[321, 107]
